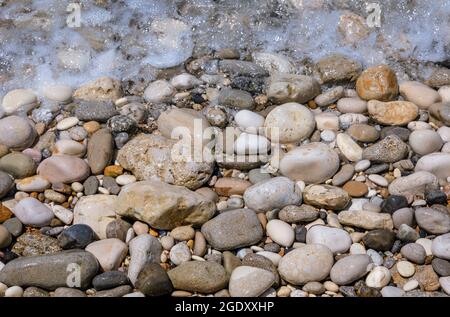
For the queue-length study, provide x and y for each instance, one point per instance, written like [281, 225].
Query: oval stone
[63, 169]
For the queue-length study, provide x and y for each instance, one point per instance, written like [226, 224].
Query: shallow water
[130, 39]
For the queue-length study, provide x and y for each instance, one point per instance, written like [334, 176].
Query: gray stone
[389, 150]
[143, 249]
[91, 185]
[432, 220]
[337, 240]
[99, 111]
[441, 247]
[108, 280]
[153, 280]
[115, 292]
[68, 292]
[295, 214]
[6, 183]
[100, 150]
[414, 252]
[247, 281]
[18, 165]
[350, 268]
[236, 98]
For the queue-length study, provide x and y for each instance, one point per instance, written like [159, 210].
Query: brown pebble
[384, 192]
[200, 244]
[312, 104]
[190, 244]
[40, 128]
[91, 126]
[34, 194]
[113, 170]
[356, 189]
[5, 213]
[153, 233]
[263, 220]
[228, 186]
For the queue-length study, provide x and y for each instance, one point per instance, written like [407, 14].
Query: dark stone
[254, 85]
[115, 292]
[14, 226]
[99, 111]
[379, 240]
[7, 256]
[272, 247]
[436, 197]
[377, 169]
[347, 291]
[122, 123]
[197, 98]
[402, 133]
[389, 262]
[117, 229]
[362, 290]
[217, 258]
[393, 203]
[323, 215]
[91, 185]
[110, 280]
[441, 266]
[300, 234]
[397, 246]
[153, 280]
[76, 237]
[110, 184]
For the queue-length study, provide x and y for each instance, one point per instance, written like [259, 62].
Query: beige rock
[419, 94]
[101, 89]
[365, 219]
[396, 113]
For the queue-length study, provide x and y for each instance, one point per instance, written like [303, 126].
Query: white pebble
[379, 277]
[14, 291]
[405, 268]
[77, 187]
[411, 285]
[103, 191]
[426, 243]
[357, 248]
[280, 232]
[328, 135]
[197, 258]
[123, 180]
[67, 123]
[379, 180]
[362, 165]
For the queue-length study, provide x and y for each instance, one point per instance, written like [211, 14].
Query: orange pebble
[113, 170]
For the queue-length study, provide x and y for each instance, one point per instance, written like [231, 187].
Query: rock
[68, 292]
[356, 189]
[407, 234]
[19, 100]
[14, 226]
[280, 232]
[164, 206]
[349, 148]
[379, 83]
[32, 184]
[441, 112]
[109, 252]
[16, 133]
[275, 193]
[326, 196]
[273, 63]
[143, 249]
[14, 291]
[337, 68]
[352, 105]
[171, 120]
[34, 243]
[441, 247]
[379, 277]
[32, 212]
[99, 111]
[236, 98]
[432, 220]
[59, 93]
[120, 291]
[18, 165]
[405, 269]
[311, 263]
[103, 88]
[391, 291]
[123, 180]
[100, 150]
[445, 284]
[395, 113]
[35, 292]
[180, 253]
[413, 184]
[153, 280]
[295, 214]
[250, 144]
[5, 237]
[379, 239]
[284, 88]
[414, 252]
[199, 276]
[420, 94]
[337, 240]
[51, 271]
[441, 267]
[437, 164]
[424, 142]
[389, 150]
[233, 229]
[393, 203]
[352, 27]
[350, 269]
[348, 119]
[185, 81]
[327, 121]
[247, 281]
[365, 219]
[6, 183]
[63, 169]
[249, 121]
[183, 233]
[228, 186]
[150, 157]
[302, 163]
[440, 77]
[329, 97]
[241, 68]
[76, 237]
[289, 123]
[69, 147]
[200, 244]
[344, 175]
[96, 211]
[427, 278]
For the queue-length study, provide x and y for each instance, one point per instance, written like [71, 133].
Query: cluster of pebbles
[355, 203]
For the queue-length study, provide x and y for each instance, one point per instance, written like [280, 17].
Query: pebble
[285, 88]
[5, 237]
[18, 165]
[437, 164]
[180, 253]
[280, 232]
[432, 220]
[414, 252]
[153, 280]
[63, 214]
[405, 269]
[123, 180]
[424, 142]
[413, 184]
[377, 83]
[330, 96]
[109, 252]
[337, 68]
[67, 123]
[349, 269]
[349, 148]
[441, 267]
[326, 196]
[394, 203]
[426, 244]
[379, 277]
[247, 281]
[143, 249]
[32, 212]
[236, 98]
[16, 133]
[249, 121]
[14, 291]
[76, 237]
[327, 121]
[441, 247]
[363, 133]
[6, 183]
[390, 150]
[18, 100]
[420, 94]
[34, 183]
[352, 105]
[410, 285]
[445, 284]
[295, 214]
[361, 166]
[356, 189]
[63, 169]
[167, 242]
[311, 263]
[96, 110]
[392, 291]
[344, 175]
[379, 239]
[365, 219]
[379, 180]
[337, 240]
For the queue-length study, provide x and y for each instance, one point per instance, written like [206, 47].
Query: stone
[14, 226]
[441, 247]
[432, 220]
[420, 94]
[349, 148]
[100, 150]
[19, 100]
[379, 83]
[230, 262]
[280, 232]
[5, 237]
[439, 77]
[344, 175]
[435, 163]
[441, 112]
[49, 271]
[153, 280]
[445, 284]
[159, 91]
[337, 240]
[379, 239]
[379, 277]
[406, 269]
[427, 278]
[18, 165]
[199, 244]
[289, 123]
[183, 233]
[395, 113]
[258, 175]
[6, 184]
[350, 269]
[295, 214]
[96, 211]
[392, 291]
[352, 27]
[63, 169]
[32, 212]
[109, 252]
[363, 133]
[14, 291]
[352, 105]
[35, 292]
[436, 197]
[247, 281]
[163, 206]
[34, 183]
[241, 68]
[275, 193]
[441, 267]
[284, 88]
[236, 98]
[338, 68]
[143, 249]
[199, 276]
[248, 121]
[356, 189]
[393, 203]
[365, 219]
[228, 186]
[273, 63]
[16, 133]
[414, 252]
[327, 121]
[103, 88]
[424, 142]
[389, 150]
[119, 291]
[34, 243]
[407, 234]
[413, 184]
[326, 196]
[77, 236]
[99, 111]
[150, 157]
[311, 263]
[123, 180]
[250, 144]
[67, 123]
[313, 163]
[348, 119]
[180, 253]
[329, 97]
[233, 229]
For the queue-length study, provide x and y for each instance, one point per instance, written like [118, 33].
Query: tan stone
[379, 83]
[396, 113]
